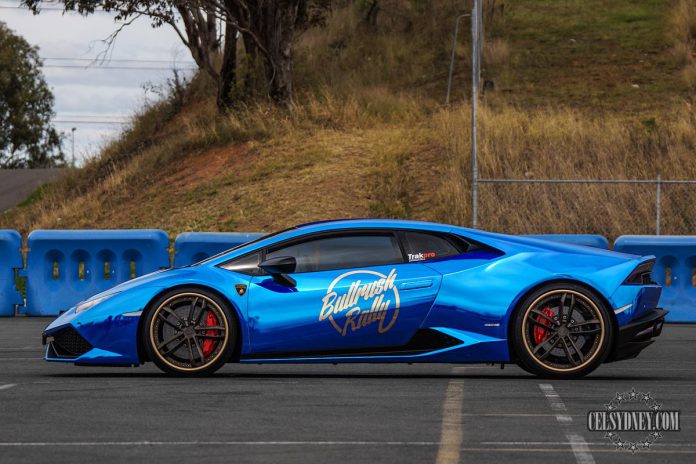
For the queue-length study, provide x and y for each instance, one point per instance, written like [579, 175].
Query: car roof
[321, 226]
[370, 224]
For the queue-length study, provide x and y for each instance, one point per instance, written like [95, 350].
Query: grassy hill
[581, 89]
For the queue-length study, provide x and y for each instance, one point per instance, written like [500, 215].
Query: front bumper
[638, 334]
[111, 341]
[65, 344]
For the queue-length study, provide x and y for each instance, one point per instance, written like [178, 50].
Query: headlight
[84, 306]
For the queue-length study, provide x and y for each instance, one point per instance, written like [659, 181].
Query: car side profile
[374, 291]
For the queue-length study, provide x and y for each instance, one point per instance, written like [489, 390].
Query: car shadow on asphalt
[304, 375]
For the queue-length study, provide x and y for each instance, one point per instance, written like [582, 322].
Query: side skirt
[424, 341]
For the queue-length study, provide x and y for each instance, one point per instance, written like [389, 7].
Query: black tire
[189, 332]
[561, 330]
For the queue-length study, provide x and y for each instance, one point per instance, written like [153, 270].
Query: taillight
[641, 275]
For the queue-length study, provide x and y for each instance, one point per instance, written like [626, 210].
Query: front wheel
[562, 331]
[189, 331]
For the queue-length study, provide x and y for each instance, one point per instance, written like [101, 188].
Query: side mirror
[279, 268]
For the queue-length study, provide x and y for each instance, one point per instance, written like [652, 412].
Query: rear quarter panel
[481, 297]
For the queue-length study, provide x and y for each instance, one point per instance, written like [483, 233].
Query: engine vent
[67, 343]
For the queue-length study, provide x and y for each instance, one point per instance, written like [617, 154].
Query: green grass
[35, 196]
[589, 54]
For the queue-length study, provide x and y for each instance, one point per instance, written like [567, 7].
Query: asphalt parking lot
[323, 413]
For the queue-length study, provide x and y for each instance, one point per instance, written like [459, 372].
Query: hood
[146, 279]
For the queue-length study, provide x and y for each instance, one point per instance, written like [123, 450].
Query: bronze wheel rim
[563, 330]
[189, 332]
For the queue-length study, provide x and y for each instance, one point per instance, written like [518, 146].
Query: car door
[352, 290]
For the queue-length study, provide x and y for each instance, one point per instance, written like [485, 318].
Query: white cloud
[90, 92]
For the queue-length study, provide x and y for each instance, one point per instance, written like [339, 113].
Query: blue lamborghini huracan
[374, 291]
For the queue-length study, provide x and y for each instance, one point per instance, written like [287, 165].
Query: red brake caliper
[209, 344]
[540, 333]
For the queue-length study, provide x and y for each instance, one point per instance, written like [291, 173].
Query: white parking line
[451, 431]
[217, 443]
[556, 403]
[26, 348]
[580, 448]
[7, 385]
[565, 443]
[478, 449]
[576, 441]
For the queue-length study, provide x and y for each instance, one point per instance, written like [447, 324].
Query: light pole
[73, 146]
[476, 40]
[476, 18]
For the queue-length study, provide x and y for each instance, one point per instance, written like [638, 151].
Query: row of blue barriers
[64, 267]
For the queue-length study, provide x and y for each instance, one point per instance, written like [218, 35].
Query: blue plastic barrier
[675, 270]
[66, 266]
[192, 247]
[10, 259]
[596, 241]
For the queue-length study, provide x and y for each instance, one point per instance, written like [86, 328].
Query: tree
[267, 28]
[27, 139]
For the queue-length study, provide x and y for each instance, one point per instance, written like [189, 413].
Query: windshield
[263, 237]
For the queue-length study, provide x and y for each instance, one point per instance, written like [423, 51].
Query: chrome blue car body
[463, 301]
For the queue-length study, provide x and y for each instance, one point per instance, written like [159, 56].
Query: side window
[422, 246]
[248, 265]
[342, 252]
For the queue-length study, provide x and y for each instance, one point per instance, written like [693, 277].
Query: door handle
[416, 284]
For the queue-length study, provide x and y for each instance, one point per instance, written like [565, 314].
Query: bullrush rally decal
[365, 303]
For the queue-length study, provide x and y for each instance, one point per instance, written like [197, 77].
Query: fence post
[475, 76]
[658, 195]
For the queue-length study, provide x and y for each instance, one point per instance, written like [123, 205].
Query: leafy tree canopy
[27, 138]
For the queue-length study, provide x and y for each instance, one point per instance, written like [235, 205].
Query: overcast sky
[95, 98]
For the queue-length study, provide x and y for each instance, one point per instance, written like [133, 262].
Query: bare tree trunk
[228, 71]
[212, 32]
[199, 41]
[252, 53]
[279, 19]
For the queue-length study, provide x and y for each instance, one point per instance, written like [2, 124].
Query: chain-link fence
[609, 206]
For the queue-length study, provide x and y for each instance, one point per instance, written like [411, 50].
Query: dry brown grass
[566, 144]
[682, 32]
[334, 157]
[367, 136]
[259, 168]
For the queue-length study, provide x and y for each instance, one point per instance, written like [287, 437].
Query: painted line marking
[557, 404]
[26, 348]
[580, 448]
[482, 449]
[451, 429]
[7, 386]
[565, 443]
[576, 441]
[17, 359]
[220, 443]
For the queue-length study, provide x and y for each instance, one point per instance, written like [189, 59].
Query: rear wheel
[189, 331]
[562, 331]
